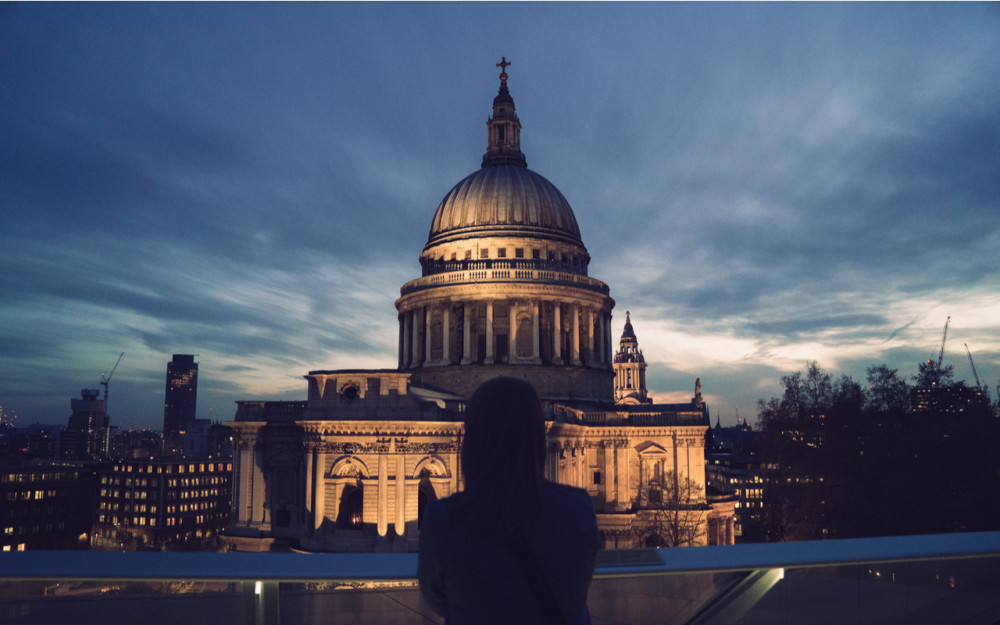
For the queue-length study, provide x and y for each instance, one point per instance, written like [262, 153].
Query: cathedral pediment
[650, 448]
[282, 456]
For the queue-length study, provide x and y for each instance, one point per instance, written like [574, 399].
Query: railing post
[260, 603]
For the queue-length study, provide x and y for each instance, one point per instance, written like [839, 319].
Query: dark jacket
[469, 579]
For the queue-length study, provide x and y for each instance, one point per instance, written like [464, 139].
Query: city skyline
[760, 185]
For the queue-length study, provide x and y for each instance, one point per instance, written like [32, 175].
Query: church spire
[504, 128]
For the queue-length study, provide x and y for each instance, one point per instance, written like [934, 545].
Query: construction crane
[978, 385]
[944, 337]
[105, 380]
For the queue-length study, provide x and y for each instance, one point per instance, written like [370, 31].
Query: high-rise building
[45, 507]
[181, 395]
[160, 504]
[86, 436]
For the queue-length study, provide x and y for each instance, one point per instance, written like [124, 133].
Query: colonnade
[248, 492]
[390, 485]
[630, 376]
[536, 331]
[721, 530]
[568, 464]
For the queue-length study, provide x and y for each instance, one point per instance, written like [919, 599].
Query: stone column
[428, 336]
[623, 488]
[446, 334]
[590, 355]
[455, 471]
[382, 521]
[581, 470]
[404, 352]
[489, 333]
[608, 351]
[609, 474]
[310, 504]
[599, 339]
[673, 440]
[731, 531]
[556, 335]
[415, 334]
[319, 483]
[536, 353]
[575, 476]
[512, 331]
[400, 349]
[574, 343]
[400, 494]
[643, 481]
[258, 486]
[244, 471]
[467, 333]
[553, 463]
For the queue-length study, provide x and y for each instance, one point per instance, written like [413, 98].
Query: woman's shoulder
[562, 491]
[444, 510]
[439, 507]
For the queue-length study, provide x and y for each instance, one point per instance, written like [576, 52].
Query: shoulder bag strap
[532, 571]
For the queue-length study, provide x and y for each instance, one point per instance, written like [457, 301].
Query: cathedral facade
[504, 290]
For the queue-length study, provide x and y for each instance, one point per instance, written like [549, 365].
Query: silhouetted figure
[512, 547]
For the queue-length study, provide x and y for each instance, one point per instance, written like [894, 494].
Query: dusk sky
[760, 185]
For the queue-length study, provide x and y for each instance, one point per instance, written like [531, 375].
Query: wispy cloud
[761, 185]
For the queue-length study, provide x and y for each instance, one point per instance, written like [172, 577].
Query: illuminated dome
[504, 286]
[504, 204]
[505, 200]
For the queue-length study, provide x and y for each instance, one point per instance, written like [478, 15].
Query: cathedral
[504, 290]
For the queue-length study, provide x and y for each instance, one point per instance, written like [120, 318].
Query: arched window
[350, 513]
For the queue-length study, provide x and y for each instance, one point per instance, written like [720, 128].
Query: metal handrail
[295, 567]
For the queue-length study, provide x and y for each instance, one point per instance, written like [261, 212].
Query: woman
[512, 547]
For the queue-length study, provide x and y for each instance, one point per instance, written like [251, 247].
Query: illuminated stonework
[630, 369]
[504, 290]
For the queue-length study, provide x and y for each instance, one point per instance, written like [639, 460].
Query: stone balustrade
[503, 272]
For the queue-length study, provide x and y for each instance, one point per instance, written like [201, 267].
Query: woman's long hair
[503, 456]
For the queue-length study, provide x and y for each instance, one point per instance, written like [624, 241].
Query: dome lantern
[504, 128]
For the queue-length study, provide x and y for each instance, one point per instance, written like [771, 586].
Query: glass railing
[938, 579]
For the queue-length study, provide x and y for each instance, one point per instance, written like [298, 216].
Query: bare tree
[676, 514]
